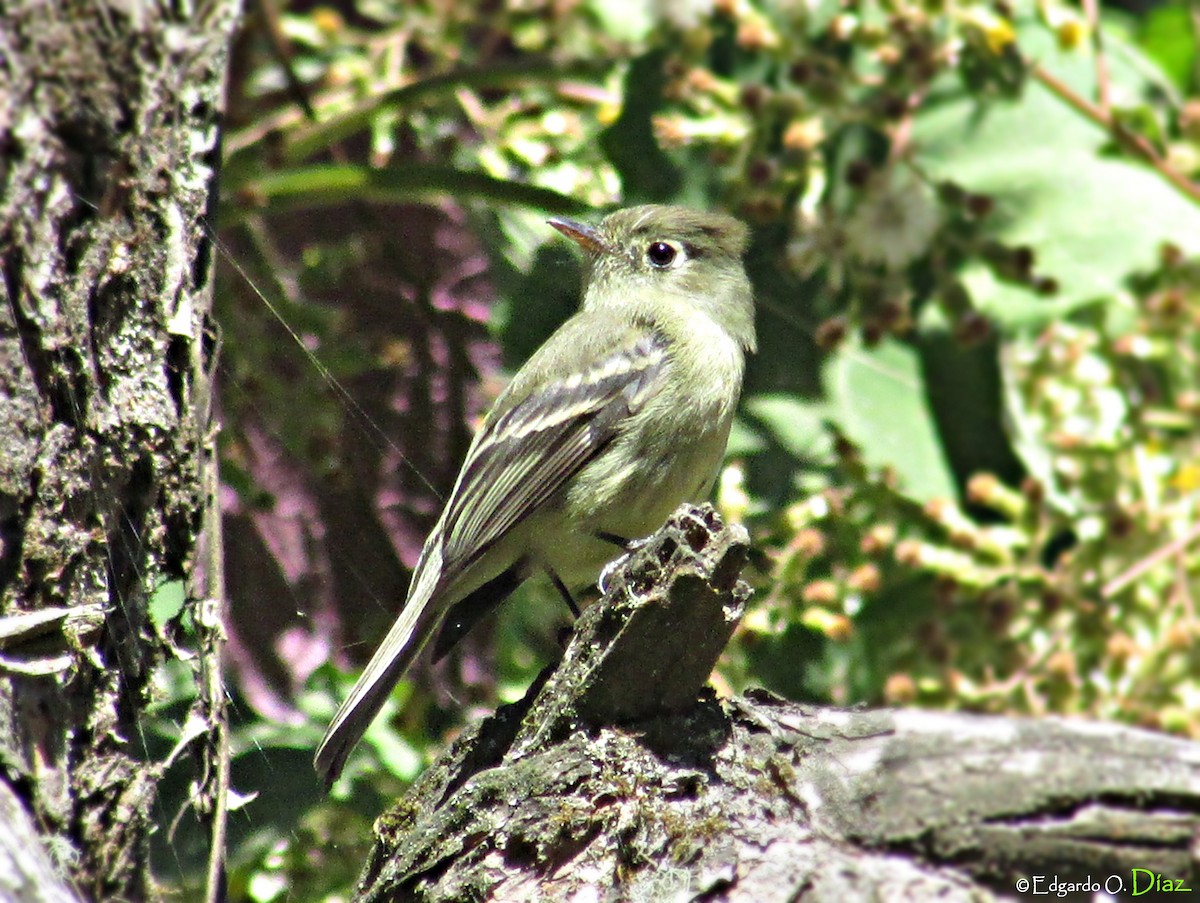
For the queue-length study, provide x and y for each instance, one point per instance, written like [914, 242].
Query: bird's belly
[661, 483]
[630, 495]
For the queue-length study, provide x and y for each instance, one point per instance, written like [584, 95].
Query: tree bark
[108, 153]
[587, 790]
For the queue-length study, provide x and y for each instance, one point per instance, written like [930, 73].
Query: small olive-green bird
[623, 414]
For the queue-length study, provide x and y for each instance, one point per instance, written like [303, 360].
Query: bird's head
[675, 255]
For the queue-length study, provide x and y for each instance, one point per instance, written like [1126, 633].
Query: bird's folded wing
[526, 454]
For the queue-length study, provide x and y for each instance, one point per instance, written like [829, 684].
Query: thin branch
[312, 138]
[282, 51]
[1155, 558]
[324, 184]
[212, 639]
[1136, 144]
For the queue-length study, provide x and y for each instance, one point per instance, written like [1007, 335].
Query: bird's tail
[402, 644]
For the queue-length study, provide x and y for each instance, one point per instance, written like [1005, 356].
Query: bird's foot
[630, 546]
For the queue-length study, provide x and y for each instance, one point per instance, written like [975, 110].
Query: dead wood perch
[619, 777]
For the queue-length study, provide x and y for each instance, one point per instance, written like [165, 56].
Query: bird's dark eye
[660, 254]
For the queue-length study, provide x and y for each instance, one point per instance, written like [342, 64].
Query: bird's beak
[584, 236]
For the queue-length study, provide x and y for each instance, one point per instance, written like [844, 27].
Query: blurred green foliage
[969, 449]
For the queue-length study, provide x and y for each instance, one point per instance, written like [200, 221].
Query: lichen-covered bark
[757, 799]
[108, 146]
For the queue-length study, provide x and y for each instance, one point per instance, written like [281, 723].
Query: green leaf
[965, 386]
[744, 441]
[325, 184]
[167, 603]
[538, 302]
[797, 425]
[1168, 36]
[312, 138]
[398, 756]
[626, 20]
[877, 397]
[1092, 220]
[647, 174]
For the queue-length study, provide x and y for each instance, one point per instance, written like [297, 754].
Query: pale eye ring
[661, 254]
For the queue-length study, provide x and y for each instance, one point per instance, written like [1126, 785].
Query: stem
[212, 633]
[1155, 558]
[324, 184]
[1131, 141]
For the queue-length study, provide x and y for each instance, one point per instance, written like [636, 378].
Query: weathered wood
[108, 153]
[583, 791]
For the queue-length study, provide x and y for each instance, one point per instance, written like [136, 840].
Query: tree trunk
[108, 150]
[590, 790]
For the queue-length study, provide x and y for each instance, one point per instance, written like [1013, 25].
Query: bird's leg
[619, 541]
[627, 546]
[563, 591]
